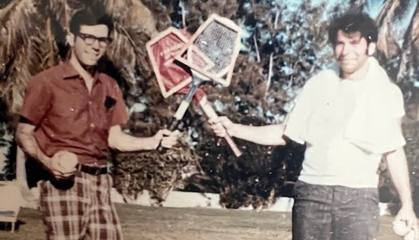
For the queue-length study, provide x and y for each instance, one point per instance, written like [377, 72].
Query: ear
[371, 48]
[70, 39]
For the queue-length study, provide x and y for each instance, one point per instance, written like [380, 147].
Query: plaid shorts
[84, 211]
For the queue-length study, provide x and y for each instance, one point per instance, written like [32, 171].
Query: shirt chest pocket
[105, 112]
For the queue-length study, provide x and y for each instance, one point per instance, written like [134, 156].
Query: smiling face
[351, 52]
[88, 53]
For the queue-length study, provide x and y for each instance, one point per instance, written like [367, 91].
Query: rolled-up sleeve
[37, 100]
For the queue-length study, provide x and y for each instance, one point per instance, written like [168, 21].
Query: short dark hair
[90, 17]
[354, 21]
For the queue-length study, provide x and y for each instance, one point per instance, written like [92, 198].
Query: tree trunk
[386, 43]
[410, 46]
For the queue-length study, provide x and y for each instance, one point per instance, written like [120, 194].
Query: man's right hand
[165, 138]
[222, 126]
[61, 166]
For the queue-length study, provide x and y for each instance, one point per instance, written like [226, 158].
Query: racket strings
[217, 43]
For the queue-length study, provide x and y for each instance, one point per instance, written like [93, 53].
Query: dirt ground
[180, 223]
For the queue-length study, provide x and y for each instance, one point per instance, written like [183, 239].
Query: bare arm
[397, 165]
[26, 140]
[123, 142]
[264, 135]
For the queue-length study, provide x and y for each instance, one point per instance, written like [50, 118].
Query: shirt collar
[69, 72]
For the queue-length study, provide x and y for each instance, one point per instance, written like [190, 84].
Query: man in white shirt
[349, 118]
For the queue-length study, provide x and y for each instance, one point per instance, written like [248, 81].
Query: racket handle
[233, 145]
[210, 112]
[172, 127]
[175, 121]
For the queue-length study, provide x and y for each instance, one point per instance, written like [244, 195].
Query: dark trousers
[334, 212]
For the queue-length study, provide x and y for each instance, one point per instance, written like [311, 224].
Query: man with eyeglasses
[90, 39]
[75, 108]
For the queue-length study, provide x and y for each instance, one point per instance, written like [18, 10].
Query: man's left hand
[169, 139]
[407, 215]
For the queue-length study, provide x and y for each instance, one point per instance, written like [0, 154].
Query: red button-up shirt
[68, 117]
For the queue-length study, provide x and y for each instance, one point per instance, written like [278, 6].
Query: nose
[95, 45]
[346, 48]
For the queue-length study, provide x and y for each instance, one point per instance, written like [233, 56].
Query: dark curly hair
[354, 21]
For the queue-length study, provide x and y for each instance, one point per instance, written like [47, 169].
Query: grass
[148, 223]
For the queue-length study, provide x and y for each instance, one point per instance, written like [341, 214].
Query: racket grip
[209, 111]
[173, 125]
[175, 121]
[233, 146]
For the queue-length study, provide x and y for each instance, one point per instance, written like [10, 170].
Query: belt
[92, 170]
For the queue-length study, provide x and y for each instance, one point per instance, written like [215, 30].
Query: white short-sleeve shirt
[330, 158]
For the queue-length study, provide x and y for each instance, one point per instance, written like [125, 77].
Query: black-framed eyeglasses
[90, 39]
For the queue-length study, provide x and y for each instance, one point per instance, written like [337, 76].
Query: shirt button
[92, 125]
